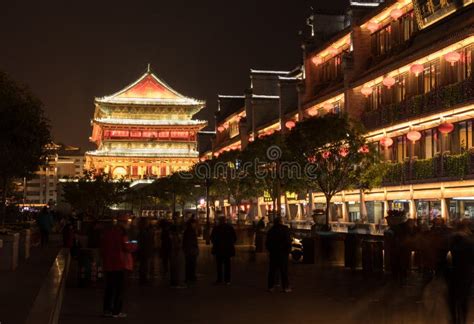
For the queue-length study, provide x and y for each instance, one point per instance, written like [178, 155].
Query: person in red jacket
[116, 255]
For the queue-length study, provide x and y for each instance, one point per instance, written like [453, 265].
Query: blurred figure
[459, 277]
[68, 235]
[176, 258]
[146, 244]
[278, 244]
[165, 250]
[45, 224]
[116, 257]
[191, 250]
[223, 240]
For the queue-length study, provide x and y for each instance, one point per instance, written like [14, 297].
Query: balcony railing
[448, 167]
[433, 101]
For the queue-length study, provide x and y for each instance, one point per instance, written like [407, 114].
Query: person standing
[116, 254]
[145, 251]
[191, 250]
[45, 224]
[165, 246]
[278, 244]
[176, 258]
[223, 240]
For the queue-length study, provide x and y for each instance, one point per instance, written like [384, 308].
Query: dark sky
[69, 52]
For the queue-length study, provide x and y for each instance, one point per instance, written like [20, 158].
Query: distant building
[62, 162]
[145, 130]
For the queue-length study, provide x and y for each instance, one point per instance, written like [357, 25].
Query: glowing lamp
[290, 124]
[332, 50]
[221, 128]
[317, 60]
[312, 112]
[366, 91]
[251, 139]
[216, 154]
[396, 13]
[326, 155]
[446, 128]
[372, 26]
[343, 151]
[328, 106]
[452, 57]
[386, 142]
[226, 125]
[417, 69]
[389, 82]
[364, 149]
[414, 136]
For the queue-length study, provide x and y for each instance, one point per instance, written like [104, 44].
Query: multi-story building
[405, 69]
[145, 130]
[62, 162]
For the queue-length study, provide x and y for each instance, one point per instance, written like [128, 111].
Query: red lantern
[311, 159]
[417, 69]
[389, 82]
[343, 151]
[372, 26]
[221, 128]
[290, 124]
[317, 60]
[452, 57]
[414, 136]
[386, 142]
[251, 139]
[364, 149]
[396, 13]
[366, 91]
[326, 154]
[446, 128]
[216, 154]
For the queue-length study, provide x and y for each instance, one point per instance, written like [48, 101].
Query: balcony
[439, 168]
[434, 101]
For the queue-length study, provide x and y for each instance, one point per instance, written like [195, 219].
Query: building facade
[405, 69]
[145, 130]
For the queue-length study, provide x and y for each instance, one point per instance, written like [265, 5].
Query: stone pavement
[19, 288]
[321, 295]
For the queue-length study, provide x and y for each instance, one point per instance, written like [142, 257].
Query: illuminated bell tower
[145, 130]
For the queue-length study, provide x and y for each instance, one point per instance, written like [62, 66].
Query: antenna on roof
[148, 69]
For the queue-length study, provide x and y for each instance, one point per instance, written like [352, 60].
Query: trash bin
[372, 256]
[9, 251]
[308, 250]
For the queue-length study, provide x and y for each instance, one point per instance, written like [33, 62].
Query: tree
[334, 152]
[24, 134]
[94, 193]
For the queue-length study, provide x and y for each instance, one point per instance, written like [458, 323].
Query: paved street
[330, 295]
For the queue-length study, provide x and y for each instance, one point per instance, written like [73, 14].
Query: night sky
[69, 52]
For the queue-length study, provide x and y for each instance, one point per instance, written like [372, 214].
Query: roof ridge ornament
[148, 68]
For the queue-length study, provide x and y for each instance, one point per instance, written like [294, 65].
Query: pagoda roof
[150, 122]
[149, 90]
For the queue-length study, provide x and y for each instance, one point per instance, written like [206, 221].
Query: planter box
[9, 252]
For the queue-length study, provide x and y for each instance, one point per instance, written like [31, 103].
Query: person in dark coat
[165, 250]
[459, 277]
[45, 224]
[145, 251]
[191, 250]
[278, 244]
[223, 240]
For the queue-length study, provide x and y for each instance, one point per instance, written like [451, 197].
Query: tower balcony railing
[441, 98]
[439, 168]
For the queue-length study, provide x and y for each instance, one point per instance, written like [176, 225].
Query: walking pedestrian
[460, 275]
[45, 224]
[176, 258]
[116, 256]
[191, 250]
[145, 251]
[223, 240]
[278, 244]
